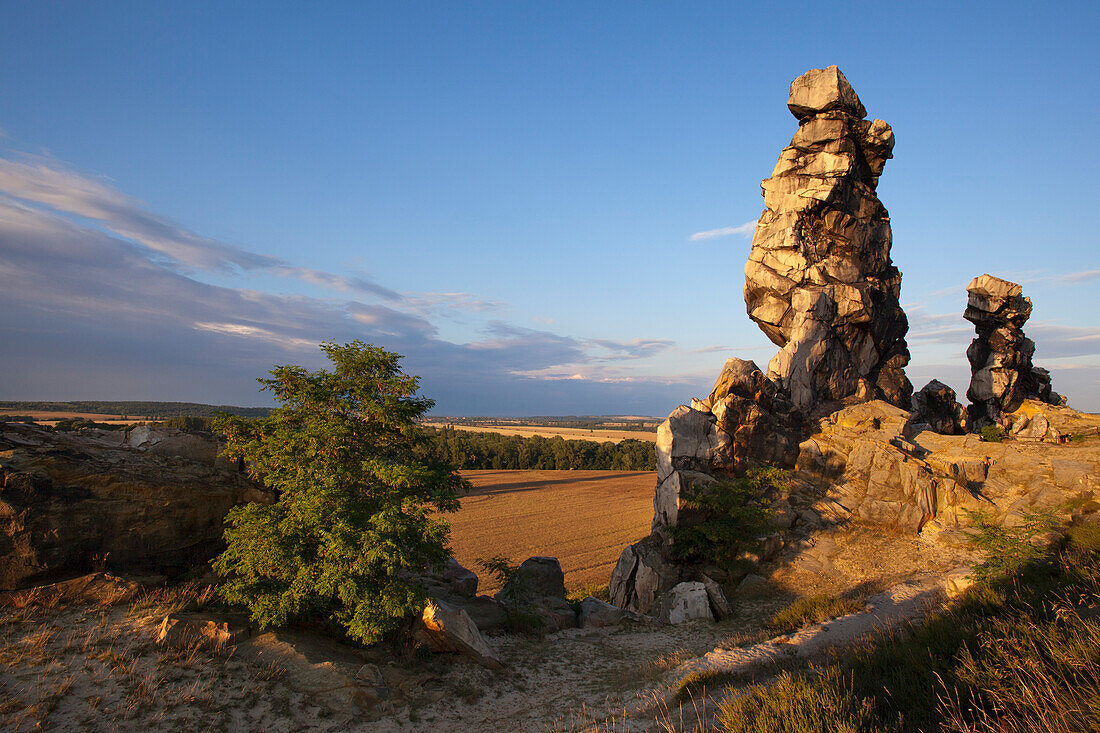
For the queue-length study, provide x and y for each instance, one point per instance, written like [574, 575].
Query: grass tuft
[813, 610]
[1017, 652]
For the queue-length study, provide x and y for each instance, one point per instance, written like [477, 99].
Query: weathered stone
[537, 577]
[461, 580]
[819, 280]
[640, 576]
[446, 628]
[686, 440]
[595, 614]
[69, 502]
[719, 605]
[751, 583]
[823, 90]
[936, 406]
[1002, 375]
[685, 602]
[186, 629]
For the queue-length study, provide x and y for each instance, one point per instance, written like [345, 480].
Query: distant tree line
[470, 450]
[569, 421]
[154, 410]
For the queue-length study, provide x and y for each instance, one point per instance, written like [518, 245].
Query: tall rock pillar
[819, 280]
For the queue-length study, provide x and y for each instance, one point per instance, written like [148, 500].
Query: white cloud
[747, 229]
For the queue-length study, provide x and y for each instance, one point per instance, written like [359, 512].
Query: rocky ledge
[149, 500]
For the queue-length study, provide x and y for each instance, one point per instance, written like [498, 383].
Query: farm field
[583, 518]
[49, 417]
[529, 431]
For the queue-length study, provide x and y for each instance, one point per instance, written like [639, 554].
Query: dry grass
[584, 518]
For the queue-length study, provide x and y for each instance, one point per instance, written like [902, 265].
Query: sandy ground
[96, 665]
[528, 431]
[584, 518]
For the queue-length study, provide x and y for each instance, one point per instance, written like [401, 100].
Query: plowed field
[583, 518]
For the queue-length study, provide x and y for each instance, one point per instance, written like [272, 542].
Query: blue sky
[506, 193]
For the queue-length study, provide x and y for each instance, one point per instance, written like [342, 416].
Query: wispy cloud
[746, 229]
[1078, 277]
[46, 183]
[636, 348]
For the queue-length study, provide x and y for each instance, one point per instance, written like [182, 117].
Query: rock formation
[833, 407]
[819, 280]
[71, 501]
[1002, 375]
[936, 406]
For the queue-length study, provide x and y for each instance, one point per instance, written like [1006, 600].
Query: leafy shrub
[992, 433]
[353, 522]
[735, 513]
[1006, 549]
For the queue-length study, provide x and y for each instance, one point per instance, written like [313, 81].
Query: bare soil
[583, 518]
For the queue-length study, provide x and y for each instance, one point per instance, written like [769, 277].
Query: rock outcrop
[866, 465]
[1002, 375]
[819, 280]
[70, 502]
[935, 405]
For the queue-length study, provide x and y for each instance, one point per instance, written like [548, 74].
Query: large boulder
[819, 280]
[935, 405]
[538, 587]
[1002, 375]
[685, 602]
[71, 503]
[446, 628]
[641, 575]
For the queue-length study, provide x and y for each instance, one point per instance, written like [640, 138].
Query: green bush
[992, 433]
[1005, 549]
[354, 521]
[735, 513]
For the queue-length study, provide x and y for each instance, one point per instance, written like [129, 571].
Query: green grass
[1017, 652]
[809, 611]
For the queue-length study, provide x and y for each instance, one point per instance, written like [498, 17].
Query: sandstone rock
[685, 440]
[445, 628]
[640, 576]
[538, 587]
[719, 605]
[1002, 375]
[67, 503]
[819, 280]
[754, 422]
[462, 581]
[751, 583]
[537, 577]
[823, 90]
[595, 614]
[685, 602]
[956, 582]
[184, 629]
[936, 406]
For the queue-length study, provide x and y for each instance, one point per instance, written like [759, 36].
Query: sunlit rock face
[1002, 375]
[819, 280]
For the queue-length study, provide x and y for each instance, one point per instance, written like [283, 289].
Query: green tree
[353, 521]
